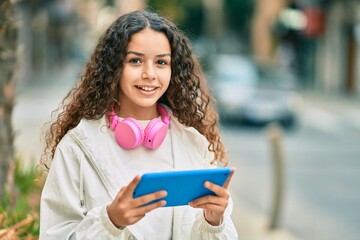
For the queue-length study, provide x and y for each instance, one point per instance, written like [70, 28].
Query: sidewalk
[339, 110]
[253, 225]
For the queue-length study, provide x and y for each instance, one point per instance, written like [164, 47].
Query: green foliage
[20, 206]
[25, 179]
[238, 15]
[187, 14]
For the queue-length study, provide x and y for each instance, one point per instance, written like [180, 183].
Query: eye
[135, 60]
[162, 62]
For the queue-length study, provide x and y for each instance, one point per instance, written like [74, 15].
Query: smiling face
[146, 74]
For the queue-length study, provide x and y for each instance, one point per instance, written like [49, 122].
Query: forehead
[149, 41]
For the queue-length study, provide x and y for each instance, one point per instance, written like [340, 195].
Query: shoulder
[90, 128]
[187, 132]
[191, 139]
[85, 132]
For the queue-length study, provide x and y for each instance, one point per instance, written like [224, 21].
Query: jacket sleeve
[202, 230]
[61, 214]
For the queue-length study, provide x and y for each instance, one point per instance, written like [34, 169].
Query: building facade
[338, 51]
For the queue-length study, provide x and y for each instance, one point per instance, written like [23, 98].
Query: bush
[19, 210]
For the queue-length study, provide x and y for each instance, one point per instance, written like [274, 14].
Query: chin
[146, 104]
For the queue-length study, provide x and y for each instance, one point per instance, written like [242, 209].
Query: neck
[139, 113]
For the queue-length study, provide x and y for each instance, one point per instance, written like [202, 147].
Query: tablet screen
[181, 186]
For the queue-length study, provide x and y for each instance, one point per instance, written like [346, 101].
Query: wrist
[110, 217]
[212, 219]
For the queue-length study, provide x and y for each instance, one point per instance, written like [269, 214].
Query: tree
[8, 63]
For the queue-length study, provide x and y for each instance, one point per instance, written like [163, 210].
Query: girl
[141, 106]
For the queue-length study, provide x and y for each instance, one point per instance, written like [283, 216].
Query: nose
[149, 72]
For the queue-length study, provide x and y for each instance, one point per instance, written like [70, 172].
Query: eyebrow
[141, 54]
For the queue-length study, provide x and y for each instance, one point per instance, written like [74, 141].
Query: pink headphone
[130, 134]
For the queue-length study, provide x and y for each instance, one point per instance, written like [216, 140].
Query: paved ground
[35, 102]
[331, 111]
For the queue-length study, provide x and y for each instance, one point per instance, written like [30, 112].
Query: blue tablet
[181, 186]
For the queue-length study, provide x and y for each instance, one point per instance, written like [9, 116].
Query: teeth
[146, 88]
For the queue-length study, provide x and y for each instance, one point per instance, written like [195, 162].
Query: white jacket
[82, 182]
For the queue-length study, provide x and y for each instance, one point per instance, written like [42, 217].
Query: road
[322, 174]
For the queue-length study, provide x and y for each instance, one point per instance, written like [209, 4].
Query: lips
[146, 88]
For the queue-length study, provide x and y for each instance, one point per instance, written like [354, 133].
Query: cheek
[166, 77]
[127, 77]
[125, 83]
[129, 74]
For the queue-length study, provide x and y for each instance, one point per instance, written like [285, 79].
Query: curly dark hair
[98, 90]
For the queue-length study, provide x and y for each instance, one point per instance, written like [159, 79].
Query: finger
[140, 211]
[214, 200]
[140, 201]
[131, 217]
[127, 215]
[132, 185]
[121, 192]
[218, 190]
[215, 208]
[152, 206]
[227, 182]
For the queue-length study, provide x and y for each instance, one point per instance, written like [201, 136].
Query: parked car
[246, 96]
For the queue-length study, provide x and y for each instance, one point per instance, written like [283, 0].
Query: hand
[214, 206]
[125, 210]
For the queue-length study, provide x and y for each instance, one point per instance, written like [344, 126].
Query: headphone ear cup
[129, 133]
[155, 133]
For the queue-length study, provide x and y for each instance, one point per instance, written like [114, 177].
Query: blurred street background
[285, 73]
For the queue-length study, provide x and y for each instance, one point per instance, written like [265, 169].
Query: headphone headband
[163, 113]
